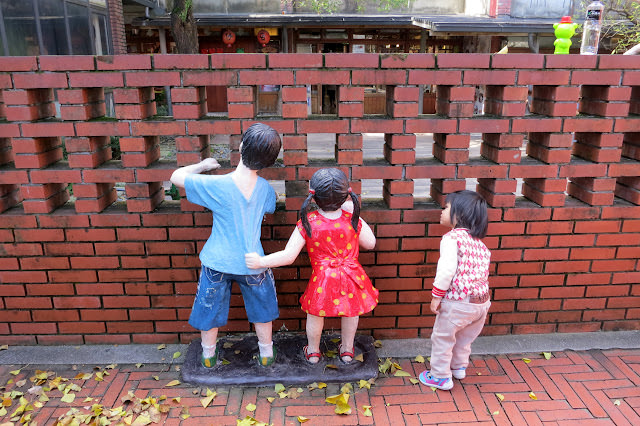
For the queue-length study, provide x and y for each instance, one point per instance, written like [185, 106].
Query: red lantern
[263, 37]
[228, 37]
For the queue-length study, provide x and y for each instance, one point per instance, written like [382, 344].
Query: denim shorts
[211, 305]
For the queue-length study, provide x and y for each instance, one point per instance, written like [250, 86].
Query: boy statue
[238, 202]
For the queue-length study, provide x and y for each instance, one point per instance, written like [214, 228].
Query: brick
[295, 60]
[124, 62]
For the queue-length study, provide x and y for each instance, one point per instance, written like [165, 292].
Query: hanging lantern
[228, 37]
[263, 37]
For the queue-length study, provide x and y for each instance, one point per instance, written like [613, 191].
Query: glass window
[20, 26]
[54, 34]
[100, 31]
[79, 24]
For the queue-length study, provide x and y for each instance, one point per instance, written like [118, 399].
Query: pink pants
[457, 326]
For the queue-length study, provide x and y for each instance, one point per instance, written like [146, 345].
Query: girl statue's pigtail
[303, 213]
[355, 219]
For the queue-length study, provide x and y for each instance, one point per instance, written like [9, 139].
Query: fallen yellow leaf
[177, 399]
[359, 358]
[279, 387]
[495, 413]
[366, 411]
[138, 365]
[533, 395]
[414, 380]
[546, 355]
[419, 358]
[500, 396]
[270, 399]
[250, 407]
[176, 355]
[207, 400]
[322, 385]
[4, 347]
[346, 388]
[68, 397]
[377, 343]
[526, 360]
[401, 374]
[616, 402]
[15, 372]
[302, 419]
[173, 383]
[156, 378]
[162, 346]
[364, 384]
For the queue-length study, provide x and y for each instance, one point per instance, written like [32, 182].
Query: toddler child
[460, 294]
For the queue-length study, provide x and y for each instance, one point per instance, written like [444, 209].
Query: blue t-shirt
[236, 220]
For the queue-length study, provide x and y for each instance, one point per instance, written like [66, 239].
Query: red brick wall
[116, 22]
[99, 270]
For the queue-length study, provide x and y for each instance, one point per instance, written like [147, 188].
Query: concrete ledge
[395, 348]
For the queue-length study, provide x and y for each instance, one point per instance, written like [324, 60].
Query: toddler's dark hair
[260, 146]
[331, 189]
[469, 210]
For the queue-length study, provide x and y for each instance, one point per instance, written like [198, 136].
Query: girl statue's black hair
[330, 188]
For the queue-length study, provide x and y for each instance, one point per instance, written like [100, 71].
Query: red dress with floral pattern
[338, 285]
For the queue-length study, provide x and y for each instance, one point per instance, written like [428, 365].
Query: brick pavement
[593, 387]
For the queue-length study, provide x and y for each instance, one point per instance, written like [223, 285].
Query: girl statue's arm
[367, 239]
[279, 258]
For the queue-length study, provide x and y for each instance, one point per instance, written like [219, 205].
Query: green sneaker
[211, 361]
[265, 361]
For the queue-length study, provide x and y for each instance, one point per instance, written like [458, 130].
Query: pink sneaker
[428, 380]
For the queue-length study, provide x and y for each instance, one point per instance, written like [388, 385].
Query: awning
[461, 24]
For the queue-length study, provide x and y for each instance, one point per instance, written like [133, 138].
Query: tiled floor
[583, 388]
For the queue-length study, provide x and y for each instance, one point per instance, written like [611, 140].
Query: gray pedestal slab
[289, 368]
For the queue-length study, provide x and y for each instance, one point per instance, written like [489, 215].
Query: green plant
[173, 192]
[114, 141]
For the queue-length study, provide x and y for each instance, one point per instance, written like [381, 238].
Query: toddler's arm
[179, 175]
[279, 258]
[447, 265]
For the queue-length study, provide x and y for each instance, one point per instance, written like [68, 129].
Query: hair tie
[312, 191]
[349, 190]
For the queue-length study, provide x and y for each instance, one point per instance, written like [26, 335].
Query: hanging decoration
[263, 37]
[228, 37]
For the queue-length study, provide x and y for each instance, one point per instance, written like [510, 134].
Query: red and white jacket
[463, 267]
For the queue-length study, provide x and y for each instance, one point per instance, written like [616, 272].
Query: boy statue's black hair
[330, 189]
[469, 210]
[260, 146]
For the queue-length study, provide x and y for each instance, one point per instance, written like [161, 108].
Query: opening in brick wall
[421, 190]
[217, 100]
[373, 146]
[269, 100]
[321, 146]
[375, 100]
[371, 189]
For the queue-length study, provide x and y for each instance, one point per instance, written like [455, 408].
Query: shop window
[20, 27]
[54, 34]
[80, 42]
